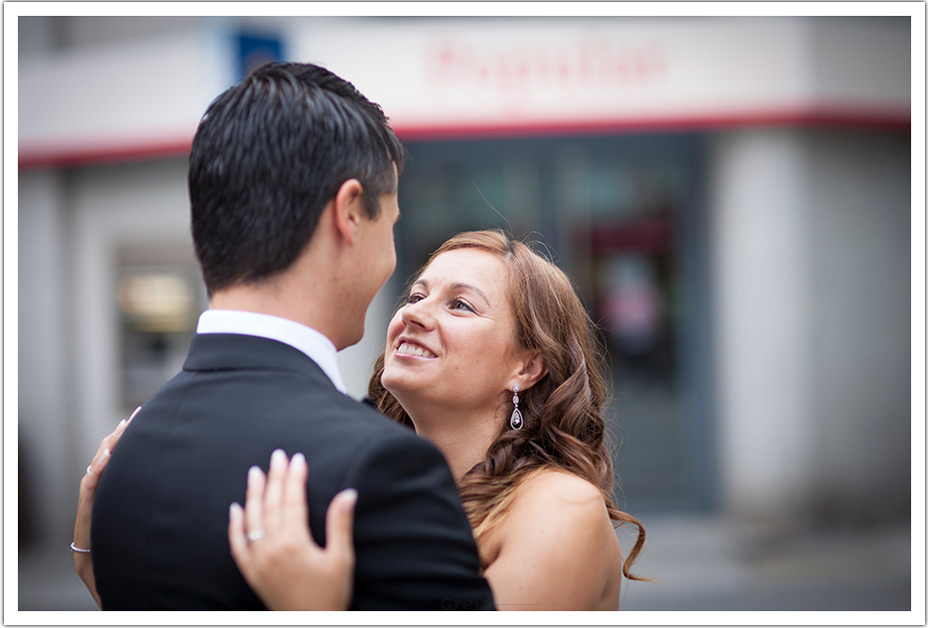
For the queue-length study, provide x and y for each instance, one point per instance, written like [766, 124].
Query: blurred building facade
[732, 197]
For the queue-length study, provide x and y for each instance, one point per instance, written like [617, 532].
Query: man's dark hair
[269, 153]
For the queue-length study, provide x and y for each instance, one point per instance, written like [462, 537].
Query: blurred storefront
[620, 214]
[731, 196]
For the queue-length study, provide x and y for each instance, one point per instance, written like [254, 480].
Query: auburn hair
[563, 425]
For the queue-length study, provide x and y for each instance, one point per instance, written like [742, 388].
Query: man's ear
[533, 369]
[348, 209]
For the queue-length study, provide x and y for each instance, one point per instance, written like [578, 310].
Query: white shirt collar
[306, 339]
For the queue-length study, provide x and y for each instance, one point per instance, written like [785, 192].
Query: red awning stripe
[129, 150]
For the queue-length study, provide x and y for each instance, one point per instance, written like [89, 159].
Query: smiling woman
[488, 315]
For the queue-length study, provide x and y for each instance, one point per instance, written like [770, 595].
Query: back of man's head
[269, 153]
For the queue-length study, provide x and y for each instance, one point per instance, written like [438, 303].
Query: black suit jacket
[161, 511]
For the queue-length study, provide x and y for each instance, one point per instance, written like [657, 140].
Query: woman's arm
[272, 546]
[557, 549]
[83, 560]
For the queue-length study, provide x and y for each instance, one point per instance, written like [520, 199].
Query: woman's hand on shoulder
[274, 550]
[83, 560]
[557, 547]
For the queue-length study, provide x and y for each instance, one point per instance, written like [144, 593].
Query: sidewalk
[48, 582]
[710, 564]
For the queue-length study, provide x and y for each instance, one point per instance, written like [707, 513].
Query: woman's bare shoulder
[558, 530]
[556, 487]
[552, 501]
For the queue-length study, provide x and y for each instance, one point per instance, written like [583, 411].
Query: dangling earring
[515, 421]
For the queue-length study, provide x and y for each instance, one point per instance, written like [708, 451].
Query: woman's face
[453, 343]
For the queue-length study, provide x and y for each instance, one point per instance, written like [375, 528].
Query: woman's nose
[419, 314]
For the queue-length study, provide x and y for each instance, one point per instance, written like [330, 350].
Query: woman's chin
[392, 381]
[400, 385]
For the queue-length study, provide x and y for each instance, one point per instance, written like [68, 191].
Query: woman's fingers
[339, 526]
[283, 564]
[94, 470]
[254, 502]
[83, 561]
[274, 490]
[90, 480]
[293, 499]
[237, 541]
[85, 499]
[102, 455]
[110, 440]
[132, 416]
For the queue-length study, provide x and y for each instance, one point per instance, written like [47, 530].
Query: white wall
[46, 412]
[760, 267]
[811, 255]
[120, 96]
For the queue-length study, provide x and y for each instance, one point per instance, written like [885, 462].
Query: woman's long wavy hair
[563, 423]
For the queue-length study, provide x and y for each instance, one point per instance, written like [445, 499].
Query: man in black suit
[293, 178]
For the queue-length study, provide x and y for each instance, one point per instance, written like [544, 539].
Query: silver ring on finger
[88, 470]
[255, 535]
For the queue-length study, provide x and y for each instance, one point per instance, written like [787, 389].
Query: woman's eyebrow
[468, 287]
[456, 286]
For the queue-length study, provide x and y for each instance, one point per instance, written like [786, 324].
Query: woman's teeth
[411, 349]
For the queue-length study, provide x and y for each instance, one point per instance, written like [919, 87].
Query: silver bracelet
[75, 548]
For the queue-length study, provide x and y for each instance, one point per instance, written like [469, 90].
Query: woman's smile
[408, 348]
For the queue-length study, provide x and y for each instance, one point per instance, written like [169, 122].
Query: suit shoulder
[371, 434]
[390, 448]
[364, 416]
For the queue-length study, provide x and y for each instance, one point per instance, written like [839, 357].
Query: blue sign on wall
[255, 50]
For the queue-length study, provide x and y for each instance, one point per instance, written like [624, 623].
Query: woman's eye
[458, 304]
[414, 298]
